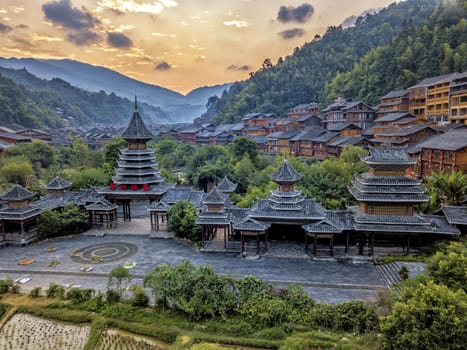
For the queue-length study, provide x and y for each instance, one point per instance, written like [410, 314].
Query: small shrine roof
[213, 218]
[322, 226]
[158, 206]
[57, 184]
[101, 204]
[456, 215]
[17, 193]
[250, 224]
[285, 173]
[226, 185]
[214, 197]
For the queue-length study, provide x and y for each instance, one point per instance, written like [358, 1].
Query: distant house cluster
[421, 118]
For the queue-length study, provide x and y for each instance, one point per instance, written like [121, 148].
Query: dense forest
[438, 46]
[32, 102]
[414, 39]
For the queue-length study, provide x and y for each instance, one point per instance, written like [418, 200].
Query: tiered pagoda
[137, 176]
[226, 186]
[286, 205]
[387, 197]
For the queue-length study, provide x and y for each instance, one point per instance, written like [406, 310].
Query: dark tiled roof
[17, 193]
[453, 140]
[326, 137]
[394, 94]
[405, 131]
[456, 215]
[57, 184]
[387, 155]
[287, 134]
[16, 137]
[136, 128]
[214, 197]
[226, 185]
[249, 224]
[159, 206]
[433, 225]
[390, 117]
[196, 198]
[176, 194]
[286, 173]
[343, 126]
[20, 213]
[322, 226]
[101, 204]
[309, 211]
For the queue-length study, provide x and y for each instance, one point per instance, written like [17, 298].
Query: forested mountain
[301, 77]
[437, 47]
[32, 102]
[96, 79]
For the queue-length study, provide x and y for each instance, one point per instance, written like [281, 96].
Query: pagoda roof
[250, 224]
[214, 197]
[136, 128]
[309, 211]
[226, 185]
[384, 155]
[17, 194]
[57, 184]
[456, 215]
[101, 204]
[286, 173]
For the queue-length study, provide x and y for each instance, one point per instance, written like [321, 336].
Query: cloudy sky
[178, 44]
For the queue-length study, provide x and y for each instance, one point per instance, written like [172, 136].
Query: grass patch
[161, 332]
[98, 325]
[406, 258]
[65, 315]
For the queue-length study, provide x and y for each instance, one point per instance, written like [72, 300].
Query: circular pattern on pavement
[104, 252]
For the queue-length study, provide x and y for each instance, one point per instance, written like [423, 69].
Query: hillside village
[417, 118]
[415, 132]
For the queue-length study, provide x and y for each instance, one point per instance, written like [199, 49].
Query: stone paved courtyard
[327, 281]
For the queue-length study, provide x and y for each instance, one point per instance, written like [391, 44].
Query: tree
[243, 145]
[112, 150]
[443, 188]
[449, 266]
[16, 170]
[40, 154]
[182, 221]
[429, 316]
[117, 277]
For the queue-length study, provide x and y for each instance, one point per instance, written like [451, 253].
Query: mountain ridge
[98, 78]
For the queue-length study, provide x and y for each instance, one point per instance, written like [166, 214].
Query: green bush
[6, 285]
[97, 327]
[158, 331]
[35, 292]
[356, 316]
[77, 295]
[274, 333]
[112, 296]
[3, 309]
[55, 291]
[139, 299]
